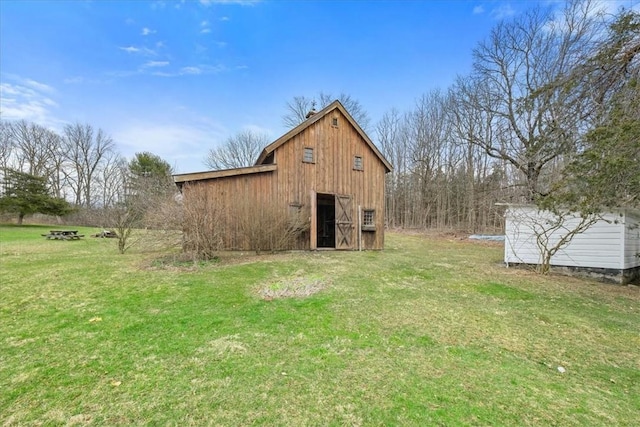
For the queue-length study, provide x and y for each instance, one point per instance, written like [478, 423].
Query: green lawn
[431, 331]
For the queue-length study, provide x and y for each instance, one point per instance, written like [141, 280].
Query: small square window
[357, 163]
[307, 157]
[334, 122]
[368, 220]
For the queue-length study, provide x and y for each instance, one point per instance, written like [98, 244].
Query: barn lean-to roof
[315, 118]
[198, 176]
[260, 165]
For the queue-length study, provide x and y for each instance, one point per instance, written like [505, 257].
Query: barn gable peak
[314, 117]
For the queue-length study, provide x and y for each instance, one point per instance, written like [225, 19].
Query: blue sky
[177, 78]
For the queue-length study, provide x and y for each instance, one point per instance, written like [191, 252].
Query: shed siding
[598, 247]
[632, 240]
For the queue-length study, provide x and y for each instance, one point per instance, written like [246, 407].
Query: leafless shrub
[202, 225]
[124, 221]
[265, 227]
[164, 216]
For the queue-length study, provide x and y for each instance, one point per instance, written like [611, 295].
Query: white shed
[608, 249]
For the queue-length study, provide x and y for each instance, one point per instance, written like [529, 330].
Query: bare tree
[299, 107]
[86, 150]
[34, 147]
[111, 180]
[238, 151]
[389, 132]
[297, 110]
[533, 122]
[6, 145]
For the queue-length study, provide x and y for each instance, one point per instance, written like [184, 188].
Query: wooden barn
[326, 170]
[608, 249]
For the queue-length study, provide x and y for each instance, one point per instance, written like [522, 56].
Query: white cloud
[204, 27]
[195, 70]
[190, 70]
[146, 31]
[505, 10]
[130, 49]
[159, 4]
[613, 6]
[478, 10]
[591, 9]
[27, 99]
[225, 18]
[138, 50]
[152, 64]
[38, 86]
[84, 80]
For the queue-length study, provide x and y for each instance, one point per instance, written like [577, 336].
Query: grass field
[430, 331]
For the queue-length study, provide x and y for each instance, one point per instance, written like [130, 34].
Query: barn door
[344, 223]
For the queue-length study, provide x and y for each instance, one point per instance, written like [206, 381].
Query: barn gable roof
[315, 118]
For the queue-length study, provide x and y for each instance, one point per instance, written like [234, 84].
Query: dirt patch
[293, 287]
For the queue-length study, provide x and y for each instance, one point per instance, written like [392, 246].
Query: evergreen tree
[607, 173]
[150, 175]
[26, 194]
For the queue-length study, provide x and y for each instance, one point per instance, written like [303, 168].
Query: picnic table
[63, 235]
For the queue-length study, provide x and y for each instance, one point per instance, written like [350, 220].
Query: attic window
[334, 122]
[357, 163]
[307, 156]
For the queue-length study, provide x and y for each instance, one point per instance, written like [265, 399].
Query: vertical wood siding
[332, 171]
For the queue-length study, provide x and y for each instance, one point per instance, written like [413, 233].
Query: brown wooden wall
[227, 196]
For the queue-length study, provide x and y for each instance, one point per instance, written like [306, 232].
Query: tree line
[80, 165]
[79, 170]
[548, 115]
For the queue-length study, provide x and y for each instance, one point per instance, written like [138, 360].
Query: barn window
[334, 122]
[307, 157]
[357, 163]
[368, 219]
